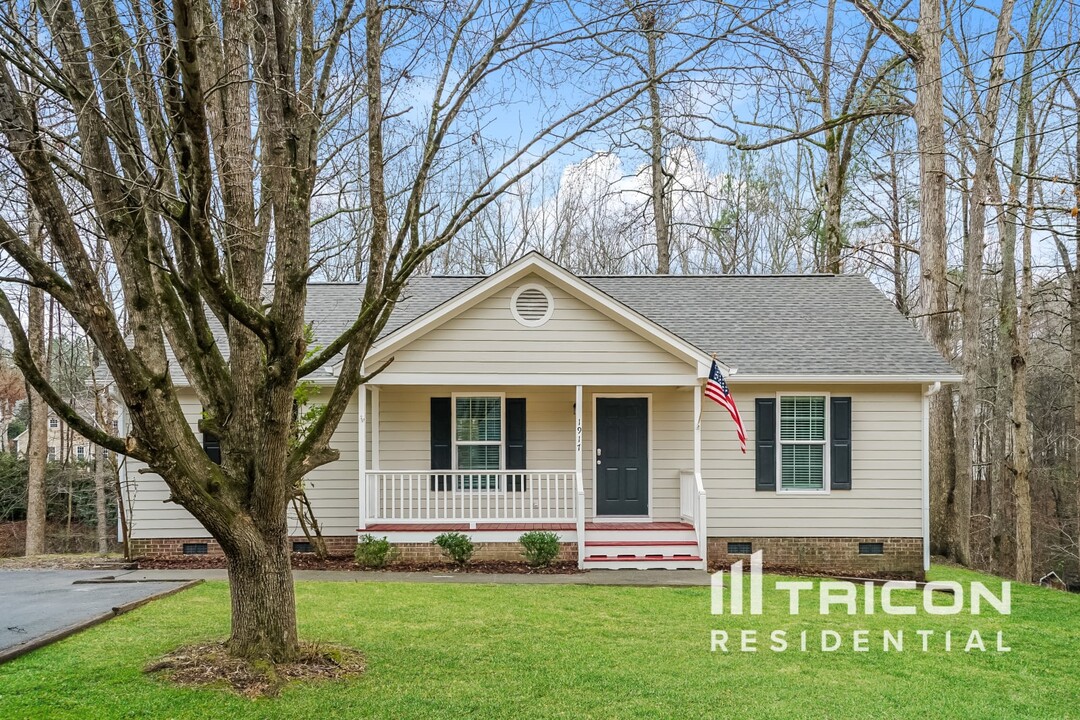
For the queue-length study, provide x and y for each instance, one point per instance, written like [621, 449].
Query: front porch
[593, 469]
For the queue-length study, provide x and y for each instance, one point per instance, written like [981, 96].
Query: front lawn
[515, 651]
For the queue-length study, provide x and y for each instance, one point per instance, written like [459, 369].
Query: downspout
[930, 390]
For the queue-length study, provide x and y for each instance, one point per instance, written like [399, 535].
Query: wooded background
[934, 148]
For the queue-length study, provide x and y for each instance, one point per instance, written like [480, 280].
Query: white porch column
[579, 495]
[578, 436]
[697, 431]
[361, 409]
[376, 464]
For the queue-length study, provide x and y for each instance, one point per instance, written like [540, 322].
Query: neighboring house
[65, 445]
[534, 398]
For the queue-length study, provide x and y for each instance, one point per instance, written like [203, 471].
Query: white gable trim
[842, 379]
[536, 263]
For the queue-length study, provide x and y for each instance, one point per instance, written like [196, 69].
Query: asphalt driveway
[39, 606]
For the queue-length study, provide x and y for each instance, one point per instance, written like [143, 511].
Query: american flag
[716, 389]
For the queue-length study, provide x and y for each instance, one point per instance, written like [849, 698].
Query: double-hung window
[478, 439]
[803, 442]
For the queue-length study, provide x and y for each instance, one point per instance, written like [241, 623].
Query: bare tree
[38, 424]
[201, 138]
[985, 134]
[923, 47]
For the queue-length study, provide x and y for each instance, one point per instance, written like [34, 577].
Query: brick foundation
[174, 547]
[168, 548]
[902, 556]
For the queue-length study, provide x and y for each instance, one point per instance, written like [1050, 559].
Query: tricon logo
[735, 602]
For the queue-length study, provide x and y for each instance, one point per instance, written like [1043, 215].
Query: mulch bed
[305, 561]
[211, 664]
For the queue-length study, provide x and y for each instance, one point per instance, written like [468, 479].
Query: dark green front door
[622, 456]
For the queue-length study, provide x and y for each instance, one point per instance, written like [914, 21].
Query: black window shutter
[765, 441]
[515, 442]
[441, 441]
[212, 447]
[840, 459]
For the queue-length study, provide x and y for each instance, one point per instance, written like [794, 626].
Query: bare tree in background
[923, 47]
[984, 135]
[38, 424]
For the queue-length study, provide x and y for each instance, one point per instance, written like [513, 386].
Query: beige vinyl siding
[886, 461]
[886, 494]
[404, 433]
[332, 488]
[405, 425]
[485, 340]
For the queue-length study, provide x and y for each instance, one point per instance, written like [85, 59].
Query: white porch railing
[693, 505]
[542, 496]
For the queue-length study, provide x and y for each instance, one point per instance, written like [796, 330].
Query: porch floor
[494, 527]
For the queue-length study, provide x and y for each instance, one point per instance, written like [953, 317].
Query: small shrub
[541, 547]
[373, 552]
[458, 546]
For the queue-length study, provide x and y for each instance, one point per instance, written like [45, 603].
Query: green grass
[485, 651]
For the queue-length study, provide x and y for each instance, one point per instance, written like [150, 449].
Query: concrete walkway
[644, 578]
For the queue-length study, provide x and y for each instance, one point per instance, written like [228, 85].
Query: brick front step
[661, 548]
[643, 562]
[634, 543]
[463, 527]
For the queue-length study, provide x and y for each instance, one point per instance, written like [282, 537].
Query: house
[64, 444]
[535, 398]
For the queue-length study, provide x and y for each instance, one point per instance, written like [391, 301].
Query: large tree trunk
[38, 435]
[263, 601]
[934, 296]
[971, 295]
[1021, 466]
[1012, 366]
[924, 48]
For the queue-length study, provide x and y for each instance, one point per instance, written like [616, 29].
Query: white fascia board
[845, 379]
[534, 262]
[537, 379]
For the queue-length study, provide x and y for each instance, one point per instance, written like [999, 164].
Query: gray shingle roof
[762, 324]
[784, 324]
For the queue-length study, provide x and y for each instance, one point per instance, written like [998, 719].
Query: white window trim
[54, 422]
[826, 481]
[455, 442]
[539, 321]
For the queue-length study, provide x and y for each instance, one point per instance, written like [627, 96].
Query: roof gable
[536, 264]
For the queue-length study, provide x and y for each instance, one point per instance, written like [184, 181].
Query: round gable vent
[532, 305]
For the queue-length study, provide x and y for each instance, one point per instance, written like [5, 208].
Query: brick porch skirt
[833, 555]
